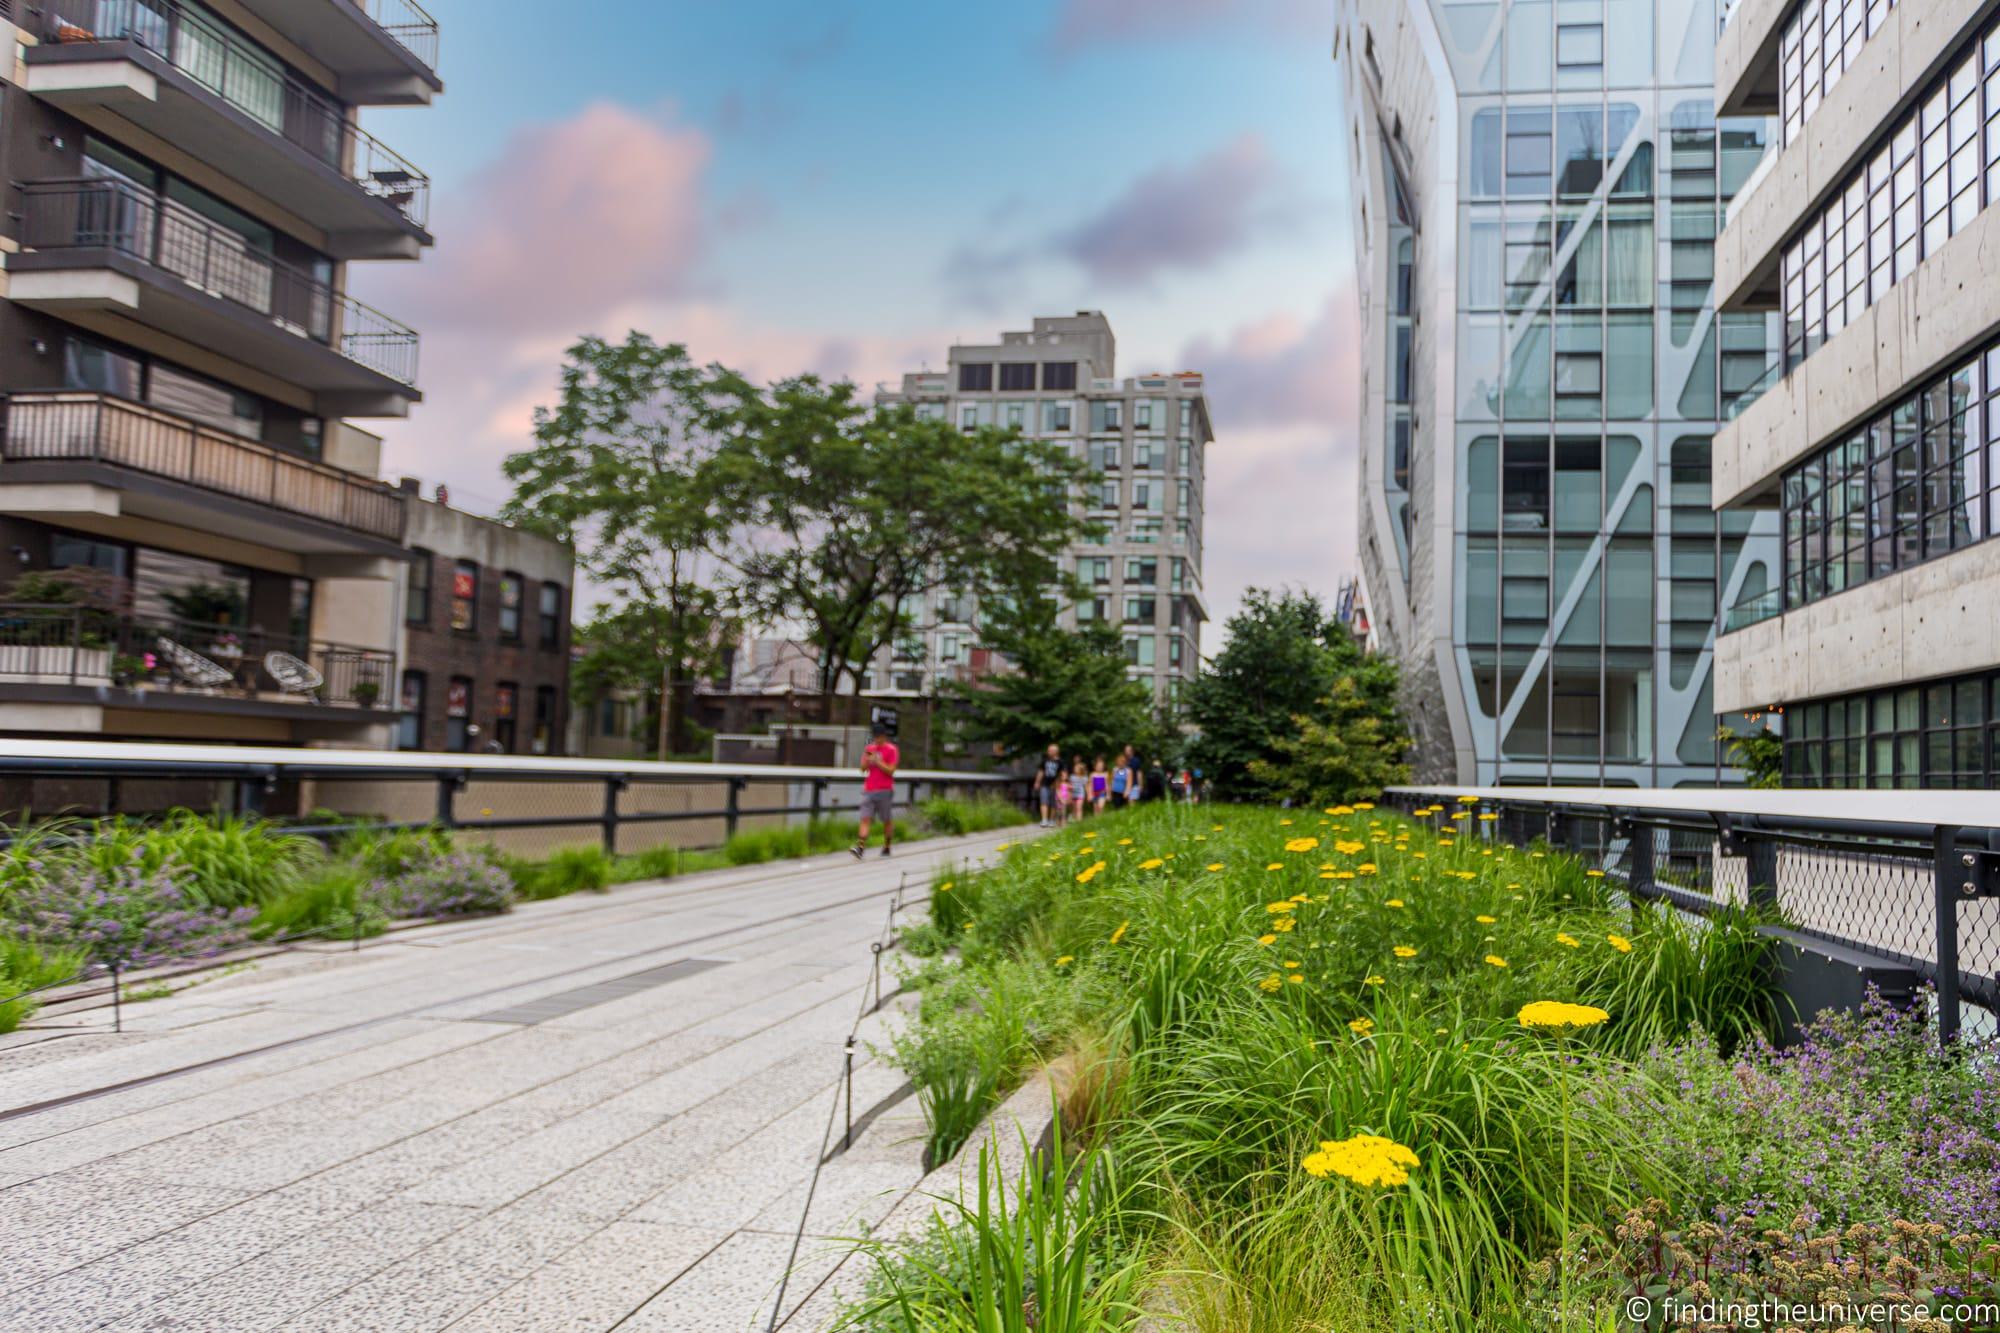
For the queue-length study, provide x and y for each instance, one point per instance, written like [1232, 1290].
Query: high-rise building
[1877, 445]
[1145, 439]
[1538, 186]
[198, 543]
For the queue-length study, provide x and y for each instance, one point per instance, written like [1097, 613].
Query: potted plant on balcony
[366, 692]
[225, 647]
[61, 625]
[128, 669]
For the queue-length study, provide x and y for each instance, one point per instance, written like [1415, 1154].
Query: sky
[849, 187]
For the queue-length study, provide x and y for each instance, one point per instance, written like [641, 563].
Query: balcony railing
[118, 216]
[413, 29]
[79, 645]
[97, 428]
[250, 80]
[1754, 610]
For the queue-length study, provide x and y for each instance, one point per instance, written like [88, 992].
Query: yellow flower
[1405, 951]
[1284, 906]
[1301, 844]
[1267, 940]
[1090, 835]
[1468, 800]
[1119, 933]
[1002, 846]
[1066, 960]
[1215, 865]
[1151, 863]
[1364, 805]
[1275, 865]
[1556, 1014]
[1372, 981]
[1283, 924]
[1301, 898]
[1216, 829]
[1566, 940]
[1593, 874]
[1290, 964]
[1461, 814]
[1365, 1159]
[1349, 848]
[1393, 902]
[1088, 873]
[1421, 856]
[1365, 868]
[1284, 821]
[1496, 960]
[1620, 943]
[1486, 920]
[1361, 1027]
[1271, 983]
[1465, 874]
[1488, 814]
[946, 886]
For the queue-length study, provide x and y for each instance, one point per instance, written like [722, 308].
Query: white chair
[294, 676]
[191, 667]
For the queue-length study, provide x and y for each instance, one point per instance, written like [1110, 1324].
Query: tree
[843, 518]
[622, 470]
[1064, 686]
[1350, 752]
[1760, 754]
[1282, 657]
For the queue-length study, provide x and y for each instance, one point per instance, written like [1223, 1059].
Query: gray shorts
[878, 805]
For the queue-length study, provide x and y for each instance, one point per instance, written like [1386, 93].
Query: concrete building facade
[1538, 186]
[197, 545]
[1876, 442]
[1145, 438]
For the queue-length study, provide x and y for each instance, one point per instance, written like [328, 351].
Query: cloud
[1086, 23]
[1283, 370]
[572, 216]
[1177, 216]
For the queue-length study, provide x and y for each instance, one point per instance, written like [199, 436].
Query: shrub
[128, 915]
[228, 863]
[662, 862]
[333, 903]
[25, 967]
[445, 883]
[953, 818]
[566, 871]
[383, 853]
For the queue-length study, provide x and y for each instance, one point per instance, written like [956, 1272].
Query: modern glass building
[1538, 190]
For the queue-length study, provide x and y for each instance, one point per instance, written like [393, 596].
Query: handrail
[251, 80]
[61, 425]
[414, 30]
[1754, 610]
[105, 214]
[1903, 808]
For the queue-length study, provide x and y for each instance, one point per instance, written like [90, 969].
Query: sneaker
[885, 849]
[856, 849]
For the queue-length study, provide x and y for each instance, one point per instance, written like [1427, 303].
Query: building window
[506, 708]
[550, 613]
[1139, 610]
[417, 597]
[510, 605]
[1107, 414]
[465, 597]
[410, 726]
[1016, 376]
[1056, 418]
[1058, 375]
[458, 714]
[1579, 45]
[1143, 570]
[976, 377]
[542, 739]
[1139, 650]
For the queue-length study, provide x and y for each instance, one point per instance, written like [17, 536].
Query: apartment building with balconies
[1145, 441]
[195, 541]
[1872, 232]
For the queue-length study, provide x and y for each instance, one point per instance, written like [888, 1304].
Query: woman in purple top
[1100, 785]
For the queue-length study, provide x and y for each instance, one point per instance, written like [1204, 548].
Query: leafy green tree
[843, 516]
[1349, 752]
[1283, 657]
[1760, 754]
[622, 469]
[1061, 685]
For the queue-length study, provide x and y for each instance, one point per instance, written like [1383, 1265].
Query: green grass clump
[951, 817]
[567, 870]
[26, 967]
[334, 902]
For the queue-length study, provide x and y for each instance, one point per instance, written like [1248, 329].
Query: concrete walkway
[594, 1113]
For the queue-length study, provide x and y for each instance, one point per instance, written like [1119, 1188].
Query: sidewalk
[596, 1111]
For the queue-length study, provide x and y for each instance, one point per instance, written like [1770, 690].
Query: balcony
[107, 254]
[1754, 610]
[382, 52]
[172, 469]
[180, 75]
[52, 653]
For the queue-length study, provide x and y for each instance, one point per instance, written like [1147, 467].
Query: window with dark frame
[410, 698]
[975, 377]
[465, 597]
[458, 714]
[1058, 375]
[511, 592]
[417, 597]
[549, 612]
[542, 739]
[1579, 45]
[1017, 376]
[506, 709]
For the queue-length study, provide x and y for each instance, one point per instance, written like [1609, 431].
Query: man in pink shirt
[878, 788]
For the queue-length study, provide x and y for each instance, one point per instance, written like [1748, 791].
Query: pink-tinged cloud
[1182, 217]
[573, 216]
[1285, 371]
[1085, 23]
[1281, 505]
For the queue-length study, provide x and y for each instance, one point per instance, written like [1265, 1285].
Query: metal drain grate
[599, 992]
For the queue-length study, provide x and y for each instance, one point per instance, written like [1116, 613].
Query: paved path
[464, 1126]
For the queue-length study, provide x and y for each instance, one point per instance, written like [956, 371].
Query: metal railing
[1754, 609]
[98, 428]
[251, 80]
[1912, 878]
[78, 645]
[414, 30]
[115, 215]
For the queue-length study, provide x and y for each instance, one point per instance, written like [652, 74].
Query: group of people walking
[1072, 790]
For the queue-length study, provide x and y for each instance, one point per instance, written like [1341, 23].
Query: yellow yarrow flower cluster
[1271, 983]
[1619, 942]
[1365, 1159]
[1557, 1014]
[1361, 1027]
[1119, 933]
[1090, 872]
[1301, 844]
[1151, 863]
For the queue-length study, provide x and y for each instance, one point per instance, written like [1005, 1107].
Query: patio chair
[191, 667]
[294, 676]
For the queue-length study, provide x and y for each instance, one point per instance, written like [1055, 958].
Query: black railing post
[1642, 881]
[613, 787]
[1951, 878]
[117, 1000]
[819, 796]
[847, 1135]
[1760, 862]
[733, 811]
[448, 785]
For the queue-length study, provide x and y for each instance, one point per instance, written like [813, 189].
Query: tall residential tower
[1538, 189]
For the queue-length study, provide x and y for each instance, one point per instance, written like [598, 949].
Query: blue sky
[850, 187]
